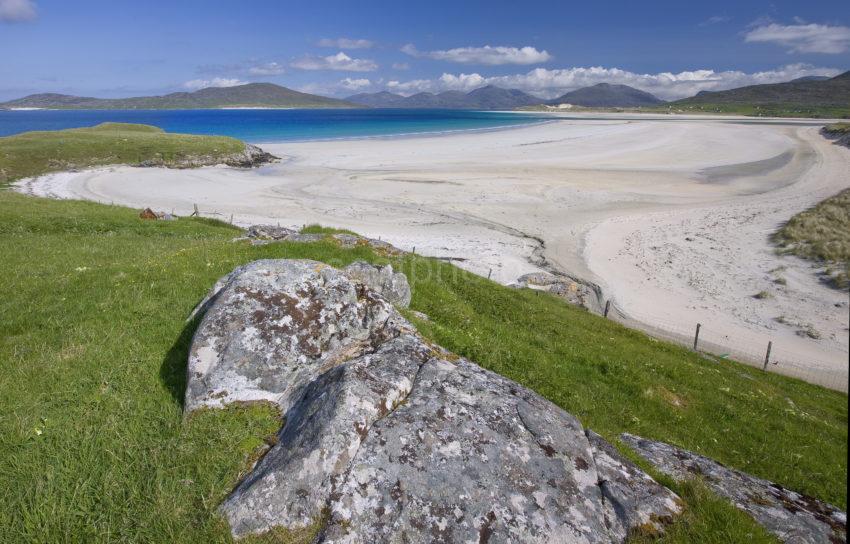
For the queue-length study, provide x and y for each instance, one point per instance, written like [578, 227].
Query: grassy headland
[35, 153]
[822, 234]
[93, 348]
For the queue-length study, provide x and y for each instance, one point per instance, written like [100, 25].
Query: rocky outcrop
[570, 289]
[249, 157]
[396, 439]
[791, 516]
[265, 234]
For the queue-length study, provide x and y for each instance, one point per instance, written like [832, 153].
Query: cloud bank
[553, 83]
[13, 11]
[486, 55]
[340, 61]
[802, 38]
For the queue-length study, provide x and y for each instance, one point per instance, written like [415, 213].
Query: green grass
[761, 110]
[93, 344]
[822, 234]
[319, 229]
[35, 153]
[838, 129]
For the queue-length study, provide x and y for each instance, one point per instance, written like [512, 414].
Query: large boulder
[791, 516]
[396, 439]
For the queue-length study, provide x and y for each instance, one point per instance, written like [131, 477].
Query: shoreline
[501, 199]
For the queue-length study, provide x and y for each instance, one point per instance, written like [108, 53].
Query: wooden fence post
[607, 307]
[767, 355]
[489, 273]
[195, 213]
[696, 336]
[231, 219]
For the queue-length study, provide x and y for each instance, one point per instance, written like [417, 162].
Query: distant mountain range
[803, 92]
[485, 98]
[251, 95]
[808, 96]
[606, 95]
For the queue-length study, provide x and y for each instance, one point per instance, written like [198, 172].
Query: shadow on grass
[172, 372]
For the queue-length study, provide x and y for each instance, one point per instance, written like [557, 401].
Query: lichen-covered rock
[791, 516]
[391, 285]
[323, 432]
[273, 325]
[572, 290]
[397, 439]
[268, 232]
[632, 498]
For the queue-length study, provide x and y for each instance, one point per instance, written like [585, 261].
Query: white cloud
[802, 38]
[487, 55]
[401, 66]
[345, 43]
[355, 84]
[267, 69]
[669, 86]
[17, 10]
[340, 61]
[215, 82]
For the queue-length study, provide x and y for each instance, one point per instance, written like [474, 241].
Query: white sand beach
[670, 216]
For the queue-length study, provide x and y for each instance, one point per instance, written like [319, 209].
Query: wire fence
[770, 357]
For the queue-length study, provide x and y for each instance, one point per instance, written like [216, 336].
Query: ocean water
[259, 126]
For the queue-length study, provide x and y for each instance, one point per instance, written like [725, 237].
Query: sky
[673, 49]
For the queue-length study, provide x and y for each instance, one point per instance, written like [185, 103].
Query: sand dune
[671, 217]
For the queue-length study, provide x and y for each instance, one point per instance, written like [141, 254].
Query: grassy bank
[35, 153]
[822, 234]
[93, 344]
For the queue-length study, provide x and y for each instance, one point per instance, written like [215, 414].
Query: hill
[801, 97]
[249, 95]
[484, 98]
[607, 95]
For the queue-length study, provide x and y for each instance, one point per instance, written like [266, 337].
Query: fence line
[779, 359]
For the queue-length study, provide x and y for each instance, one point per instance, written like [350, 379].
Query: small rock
[148, 213]
[381, 279]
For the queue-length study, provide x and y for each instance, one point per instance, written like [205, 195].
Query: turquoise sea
[271, 125]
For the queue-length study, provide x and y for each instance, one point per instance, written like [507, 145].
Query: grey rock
[632, 498]
[305, 238]
[268, 232]
[398, 439]
[391, 285]
[791, 516]
[271, 326]
[571, 289]
[323, 432]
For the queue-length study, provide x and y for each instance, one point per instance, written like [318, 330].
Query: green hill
[35, 153]
[798, 98]
[251, 95]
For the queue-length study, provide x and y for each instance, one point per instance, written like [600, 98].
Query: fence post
[607, 307]
[414, 250]
[489, 273]
[195, 213]
[767, 355]
[231, 219]
[696, 336]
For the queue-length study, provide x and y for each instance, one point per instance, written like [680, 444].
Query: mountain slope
[484, 98]
[606, 95]
[806, 95]
[252, 94]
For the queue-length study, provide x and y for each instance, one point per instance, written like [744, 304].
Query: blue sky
[125, 48]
